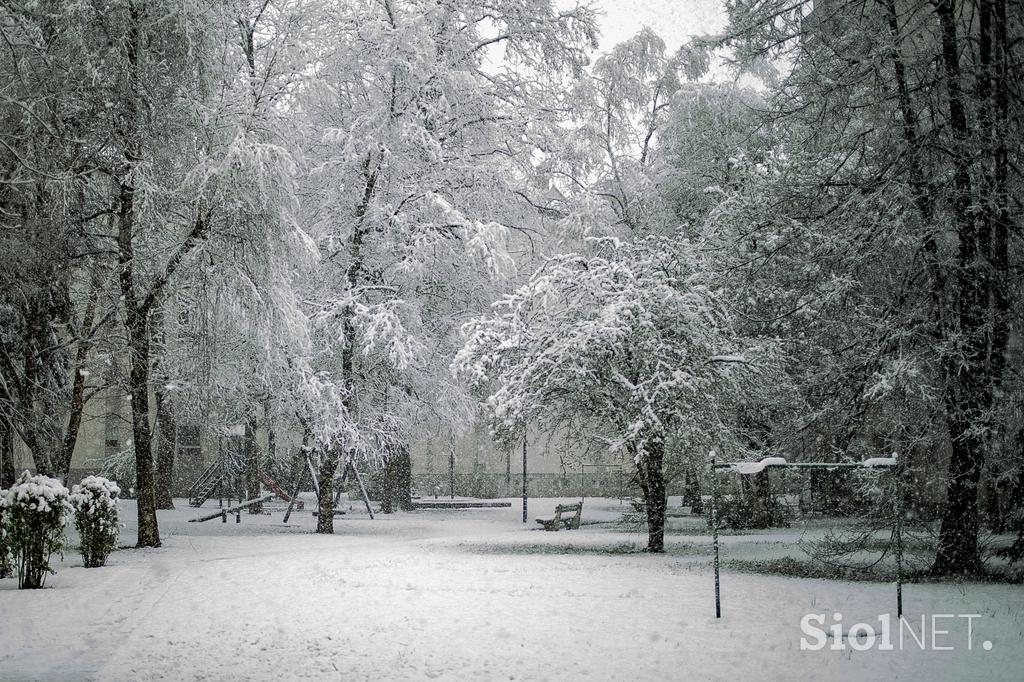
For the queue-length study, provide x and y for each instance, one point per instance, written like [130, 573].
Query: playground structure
[752, 468]
[226, 478]
[348, 467]
[236, 510]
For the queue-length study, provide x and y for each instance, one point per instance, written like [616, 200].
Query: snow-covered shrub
[35, 511]
[120, 466]
[95, 504]
[755, 506]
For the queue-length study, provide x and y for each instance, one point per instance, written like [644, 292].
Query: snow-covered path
[449, 595]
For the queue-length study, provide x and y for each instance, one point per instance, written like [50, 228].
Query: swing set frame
[890, 462]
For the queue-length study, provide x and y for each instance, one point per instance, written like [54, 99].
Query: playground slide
[273, 486]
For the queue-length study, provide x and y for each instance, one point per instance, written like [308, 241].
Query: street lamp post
[451, 467]
[524, 475]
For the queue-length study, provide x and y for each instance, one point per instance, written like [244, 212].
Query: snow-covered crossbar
[748, 468]
[751, 468]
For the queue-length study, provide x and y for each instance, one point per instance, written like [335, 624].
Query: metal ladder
[206, 484]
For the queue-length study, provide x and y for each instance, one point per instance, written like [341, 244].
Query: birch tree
[414, 178]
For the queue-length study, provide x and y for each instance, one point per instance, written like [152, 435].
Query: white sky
[674, 20]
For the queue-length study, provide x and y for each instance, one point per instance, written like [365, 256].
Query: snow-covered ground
[472, 594]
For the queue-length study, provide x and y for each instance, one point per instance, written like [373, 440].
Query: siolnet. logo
[933, 633]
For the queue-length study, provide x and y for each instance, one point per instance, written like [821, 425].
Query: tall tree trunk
[78, 384]
[252, 466]
[137, 328]
[761, 504]
[138, 386]
[692, 492]
[271, 434]
[325, 497]
[957, 552]
[404, 479]
[33, 433]
[166, 424]
[166, 442]
[136, 316]
[651, 475]
[7, 473]
[329, 464]
[968, 380]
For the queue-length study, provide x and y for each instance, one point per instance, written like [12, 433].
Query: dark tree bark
[136, 316]
[139, 306]
[325, 497]
[970, 302]
[692, 492]
[7, 473]
[166, 442]
[651, 476]
[761, 502]
[78, 384]
[396, 484]
[166, 425]
[404, 481]
[973, 377]
[1016, 506]
[271, 438]
[138, 387]
[24, 395]
[252, 466]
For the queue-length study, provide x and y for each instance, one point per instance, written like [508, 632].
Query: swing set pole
[897, 536]
[295, 489]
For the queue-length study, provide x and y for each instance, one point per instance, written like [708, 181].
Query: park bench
[567, 515]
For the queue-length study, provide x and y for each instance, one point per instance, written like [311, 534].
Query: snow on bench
[571, 521]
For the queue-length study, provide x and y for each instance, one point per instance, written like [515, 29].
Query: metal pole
[359, 480]
[714, 533]
[312, 473]
[898, 533]
[524, 475]
[451, 466]
[295, 494]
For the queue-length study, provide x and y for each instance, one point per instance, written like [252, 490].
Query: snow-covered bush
[95, 504]
[120, 466]
[35, 512]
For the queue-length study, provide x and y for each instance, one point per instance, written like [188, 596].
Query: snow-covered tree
[890, 189]
[607, 170]
[418, 146]
[630, 346]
